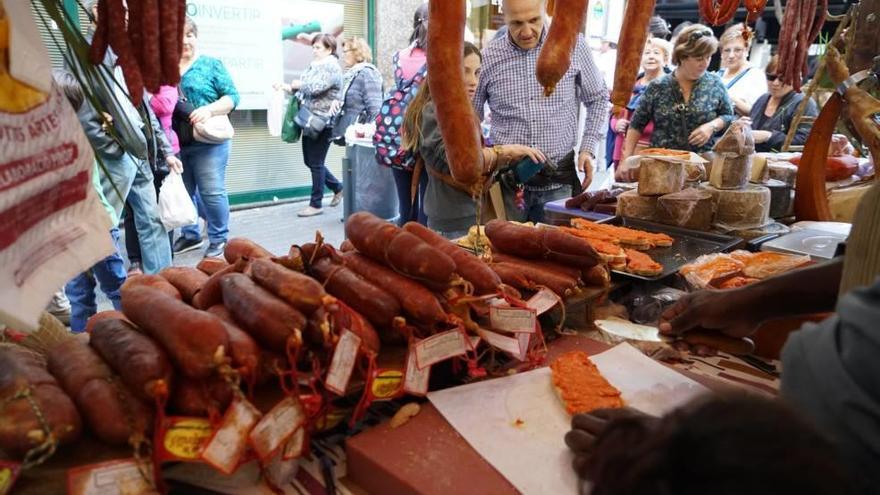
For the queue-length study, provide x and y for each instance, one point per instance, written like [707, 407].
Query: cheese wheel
[631, 204]
[773, 228]
[730, 171]
[740, 209]
[783, 171]
[658, 177]
[690, 208]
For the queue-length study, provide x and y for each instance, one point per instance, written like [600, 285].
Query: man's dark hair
[722, 445]
[70, 87]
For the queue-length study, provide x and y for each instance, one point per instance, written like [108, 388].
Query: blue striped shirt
[520, 112]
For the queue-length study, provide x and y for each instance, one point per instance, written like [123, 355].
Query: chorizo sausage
[631, 44]
[373, 302]
[154, 281]
[455, 113]
[201, 397]
[103, 315]
[169, 36]
[141, 364]
[20, 429]
[100, 40]
[211, 266]
[550, 266]
[112, 412]
[240, 247]
[151, 66]
[191, 337]
[556, 53]
[468, 266]
[524, 276]
[188, 281]
[271, 321]
[299, 290]
[537, 243]
[415, 299]
[342, 317]
[211, 293]
[243, 349]
[598, 276]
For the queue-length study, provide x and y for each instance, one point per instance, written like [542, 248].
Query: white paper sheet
[518, 424]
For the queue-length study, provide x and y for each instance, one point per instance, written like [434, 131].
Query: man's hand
[725, 311]
[200, 115]
[585, 165]
[701, 135]
[513, 152]
[586, 429]
[174, 164]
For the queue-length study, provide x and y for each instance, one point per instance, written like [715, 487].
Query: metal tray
[687, 245]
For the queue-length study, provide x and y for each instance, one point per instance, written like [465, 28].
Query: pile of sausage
[148, 45]
[528, 258]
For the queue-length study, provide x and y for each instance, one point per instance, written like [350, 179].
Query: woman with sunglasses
[773, 112]
[690, 106]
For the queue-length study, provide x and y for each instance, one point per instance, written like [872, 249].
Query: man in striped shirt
[521, 114]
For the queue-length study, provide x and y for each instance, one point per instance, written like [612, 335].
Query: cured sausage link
[555, 56]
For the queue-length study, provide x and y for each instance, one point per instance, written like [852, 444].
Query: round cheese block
[659, 176]
[741, 209]
[631, 204]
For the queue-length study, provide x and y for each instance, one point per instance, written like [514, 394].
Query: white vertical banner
[246, 36]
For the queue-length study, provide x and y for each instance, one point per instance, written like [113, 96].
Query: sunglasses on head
[699, 34]
[772, 77]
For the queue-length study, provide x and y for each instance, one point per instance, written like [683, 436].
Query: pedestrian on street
[319, 89]
[521, 114]
[207, 86]
[361, 88]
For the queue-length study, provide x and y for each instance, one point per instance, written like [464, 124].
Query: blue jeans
[110, 274]
[410, 210]
[315, 155]
[204, 170]
[535, 201]
[133, 182]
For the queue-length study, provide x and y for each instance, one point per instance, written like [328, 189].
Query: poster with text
[300, 22]
[244, 35]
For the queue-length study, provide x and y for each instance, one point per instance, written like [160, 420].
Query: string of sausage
[455, 113]
[631, 44]
[555, 56]
[148, 46]
[801, 25]
[718, 13]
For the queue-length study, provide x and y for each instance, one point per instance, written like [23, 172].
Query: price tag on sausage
[440, 347]
[509, 345]
[112, 478]
[344, 358]
[543, 301]
[517, 320]
[228, 444]
[276, 427]
[416, 380]
[182, 438]
[524, 341]
[296, 445]
[8, 474]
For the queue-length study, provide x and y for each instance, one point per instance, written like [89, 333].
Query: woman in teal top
[207, 85]
[689, 107]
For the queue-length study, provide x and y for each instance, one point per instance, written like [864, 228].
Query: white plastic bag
[275, 113]
[176, 208]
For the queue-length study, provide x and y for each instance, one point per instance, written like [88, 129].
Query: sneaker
[215, 250]
[337, 198]
[134, 268]
[310, 212]
[183, 245]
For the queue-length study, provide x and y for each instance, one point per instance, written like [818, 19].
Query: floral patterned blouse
[674, 120]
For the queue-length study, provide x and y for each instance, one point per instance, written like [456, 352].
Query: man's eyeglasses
[772, 77]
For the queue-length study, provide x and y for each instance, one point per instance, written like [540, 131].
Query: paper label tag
[8, 474]
[111, 478]
[296, 445]
[416, 381]
[543, 301]
[225, 449]
[509, 345]
[524, 340]
[512, 319]
[342, 365]
[276, 427]
[182, 438]
[387, 385]
[440, 347]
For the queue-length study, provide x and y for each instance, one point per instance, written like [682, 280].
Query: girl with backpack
[410, 69]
